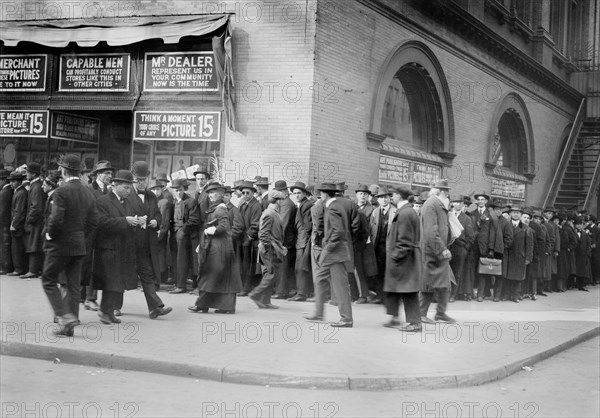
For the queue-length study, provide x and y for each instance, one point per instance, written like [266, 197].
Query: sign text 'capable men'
[180, 126]
[94, 72]
[180, 71]
[23, 72]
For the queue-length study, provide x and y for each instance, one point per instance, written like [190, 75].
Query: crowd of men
[389, 245]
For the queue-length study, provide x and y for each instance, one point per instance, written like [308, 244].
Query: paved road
[566, 385]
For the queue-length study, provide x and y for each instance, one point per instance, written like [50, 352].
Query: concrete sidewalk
[278, 348]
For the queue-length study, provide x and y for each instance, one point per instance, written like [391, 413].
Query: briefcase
[490, 266]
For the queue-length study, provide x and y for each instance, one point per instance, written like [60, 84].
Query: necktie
[140, 192]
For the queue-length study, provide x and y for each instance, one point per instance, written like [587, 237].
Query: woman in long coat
[220, 276]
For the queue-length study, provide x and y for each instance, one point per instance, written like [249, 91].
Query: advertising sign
[94, 72]
[23, 73]
[180, 71]
[27, 123]
[75, 127]
[177, 126]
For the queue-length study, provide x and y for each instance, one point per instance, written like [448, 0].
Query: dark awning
[87, 33]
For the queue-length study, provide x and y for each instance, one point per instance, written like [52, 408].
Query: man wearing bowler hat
[380, 222]
[460, 251]
[262, 191]
[507, 239]
[34, 221]
[520, 254]
[202, 176]
[435, 234]
[251, 211]
[364, 254]
[335, 258]
[287, 212]
[144, 205]
[554, 234]
[72, 218]
[103, 173]
[18, 213]
[303, 227]
[6, 194]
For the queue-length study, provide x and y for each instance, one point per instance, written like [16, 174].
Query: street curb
[307, 381]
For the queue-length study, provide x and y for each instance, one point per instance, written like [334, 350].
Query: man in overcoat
[520, 254]
[534, 270]
[251, 211]
[507, 238]
[303, 227]
[73, 216]
[364, 255]
[460, 251]
[6, 194]
[379, 226]
[34, 222]
[287, 211]
[165, 209]
[402, 280]
[583, 251]
[435, 236]
[18, 214]
[114, 258]
[144, 205]
[553, 232]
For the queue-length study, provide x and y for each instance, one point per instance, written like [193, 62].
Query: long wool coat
[519, 253]
[146, 240]
[220, 271]
[34, 221]
[435, 235]
[114, 251]
[403, 253]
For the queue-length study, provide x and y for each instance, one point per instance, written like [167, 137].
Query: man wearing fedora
[34, 221]
[488, 239]
[520, 254]
[507, 239]
[460, 251]
[335, 259]
[303, 227]
[202, 176]
[73, 216]
[251, 211]
[435, 235]
[165, 209]
[185, 222]
[364, 254]
[103, 173]
[262, 191]
[6, 194]
[287, 211]
[144, 205]
[380, 221]
[535, 268]
[18, 213]
[114, 259]
[554, 233]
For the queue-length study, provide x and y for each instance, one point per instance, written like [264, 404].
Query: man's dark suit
[6, 195]
[287, 280]
[73, 216]
[251, 212]
[18, 215]
[488, 243]
[303, 226]
[34, 223]
[183, 231]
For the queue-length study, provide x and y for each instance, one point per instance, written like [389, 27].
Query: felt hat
[124, 176]
[70, 162]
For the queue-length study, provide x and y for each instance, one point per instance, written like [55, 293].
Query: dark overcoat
[554, 236]
[403, 262]
[164, 207]
[535, 268]
[19, 211]
[506, 229]
[114, 249]
[287, 211]
[435, 235]
[460, 248]
[147, 239]
[582, 253]
[220, 271]
[337, 234]
[34, 221]
[72, 218]
[250, 212]
[6, 194]
[364, 251]
[303, 226]
[595, 252]
[488, 236]
[520, 253]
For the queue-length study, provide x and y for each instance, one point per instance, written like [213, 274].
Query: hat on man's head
[363, 188]
[163, 179]
[52, 178]
[15, 175]
[526, 211]
[156, 184]
[550, 209]
[578, 220]
[276, 195]
[298, 185]
[70, 162]
[327, 187]
[247, 185]
[103, 165]
[179, 183]
[211, 187]
[383, 191]
[459, 198]
[310, 189]
[228, 189]
[516, 208]
[482, 194]
[341, 186]
[401, 190]
[374, 188]
[280, 185]
[123, 176]
[441, 184]
[140, 169]
[4, 174]
[34, 168]
[262, 181]
[538, 213]
[202, 170]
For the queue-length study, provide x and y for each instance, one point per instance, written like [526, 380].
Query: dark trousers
[146, 274]
[360, 273]
[271, 272]
[6, 263]
[184, 256]
[499, 283]
[315, 253]
[36, 262]
[248, 270]
[17, 247]
[411, 305]
[376, 282]
[287, 279]
[195, 241]
[304, 282]
[484, 281]
[441, 295]
[53, 266]
[339, 283]
[514, 288]
[111, 300]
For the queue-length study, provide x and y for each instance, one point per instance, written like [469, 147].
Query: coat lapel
[117, 204]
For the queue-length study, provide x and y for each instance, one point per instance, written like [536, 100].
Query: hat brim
[299, 188]
[329, 190]
[383, 194]
[99, 169]
[117, 179]
[477, 196]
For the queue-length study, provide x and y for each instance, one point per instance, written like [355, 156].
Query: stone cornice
[463, 23]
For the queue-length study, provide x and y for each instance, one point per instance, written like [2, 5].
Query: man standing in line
[6, 195]
[144, 205]
[336, 255]
[380, 221]
[18, 213]
[251, 212]
[520, 254]
[287, 211]
[165, 209]
[72, 218]
[460, 252]
[262, 192]
[435, 234]
[364, 255]
[403, 263]
[34, 222]
[303, 227]
[202, 177]
[506, 231]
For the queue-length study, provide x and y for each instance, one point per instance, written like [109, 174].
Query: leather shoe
[257, 302]
[108, 319]
[360, 301]
[496, 300]
[178, 291]
[515, 300]
[28, 275]
[14, 273]
[542, 294]
[117, 312]
[65, 331]
[297, 298]
[479, 299]
[279, 296]
[533, 297]
[451, 300]
[445, 318]
[195, 292]
[314, 318]
[411, 328]
[155, 313]
[197, 309]
[242, 294]
[392, 323]
[342, 324]
[271, 306]
[333, 303]
[225, 311]
[91, 305]
[583, 289]
[426, 320]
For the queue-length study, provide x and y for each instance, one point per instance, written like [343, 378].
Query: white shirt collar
[70, 179]
[329, 202]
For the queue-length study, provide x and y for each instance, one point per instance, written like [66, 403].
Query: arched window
[510, 143]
